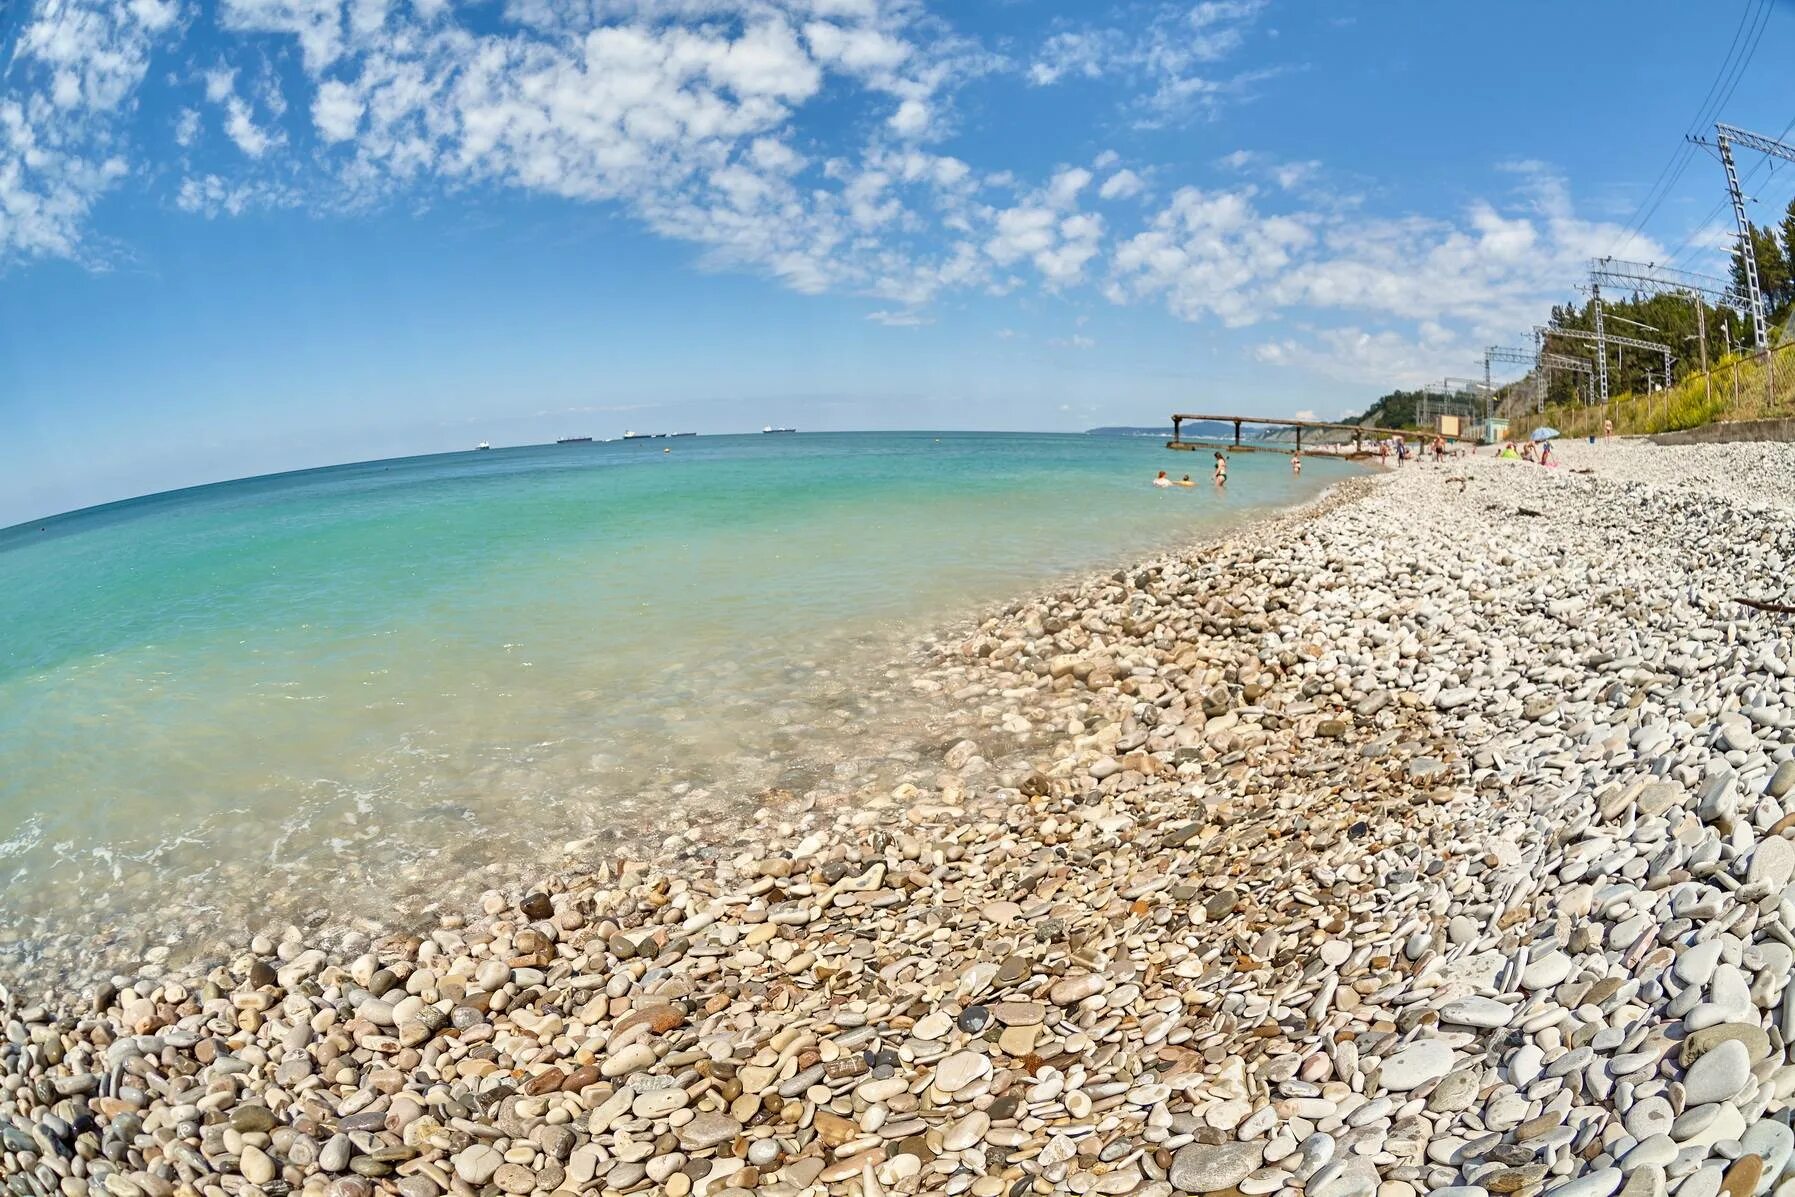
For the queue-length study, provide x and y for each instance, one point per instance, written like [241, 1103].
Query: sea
[352, 695]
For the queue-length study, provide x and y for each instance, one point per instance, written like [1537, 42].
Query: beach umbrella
[1544, 434]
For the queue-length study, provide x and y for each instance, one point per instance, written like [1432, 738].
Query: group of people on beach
[1526, 453]
[1220, 474]
[1438, 446]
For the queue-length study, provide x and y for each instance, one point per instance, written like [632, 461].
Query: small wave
[29, 835]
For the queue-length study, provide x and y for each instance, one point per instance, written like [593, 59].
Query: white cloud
[900, 319]
[1288, 175]
[239, 119]
[75, 64]
[697, 119]
[1124, 184]
[1435, 291]
[1063, 188]
[317, 25]
[336, 110]
[212, 196]
[1168, 53]
[1075, 341]
[1209, 253]
[1385, 358]
[911, 119]
[1305, 414]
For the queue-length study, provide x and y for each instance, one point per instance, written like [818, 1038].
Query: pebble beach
[1431, 839]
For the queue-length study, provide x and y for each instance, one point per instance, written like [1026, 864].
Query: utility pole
[1520, 357]
[1601, 345]
[1701, 335]
[1659, 280]
[1725, 137]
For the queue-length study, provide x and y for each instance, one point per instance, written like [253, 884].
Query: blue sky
[265, 234]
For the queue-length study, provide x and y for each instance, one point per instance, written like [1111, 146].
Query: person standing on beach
[1607, 428]
[1221, 470]
[1383, 452]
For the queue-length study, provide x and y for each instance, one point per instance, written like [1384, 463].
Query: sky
[254, 235]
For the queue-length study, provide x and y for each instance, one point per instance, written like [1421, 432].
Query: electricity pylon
[1603, 341]
[1653, 279]
[1725, 137]
[1519, 357]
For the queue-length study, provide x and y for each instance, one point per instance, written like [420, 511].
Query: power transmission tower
[1521, 357]
[1602, 343]
[1653, 279]
[1595, 295]
[1560, 361]
[1725, 137]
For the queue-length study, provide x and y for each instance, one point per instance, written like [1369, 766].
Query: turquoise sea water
[348, 692]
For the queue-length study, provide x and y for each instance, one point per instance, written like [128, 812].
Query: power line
[1686, 248]
[1754, 38]
[1720, 91]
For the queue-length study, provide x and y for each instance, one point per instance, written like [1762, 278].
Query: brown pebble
[1741, 1180]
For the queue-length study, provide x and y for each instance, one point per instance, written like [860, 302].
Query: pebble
[1210, 1168]
[1416, 1065]
[1718, 1075]
[1294, 863]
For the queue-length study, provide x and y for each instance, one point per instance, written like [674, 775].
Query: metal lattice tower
[1560, 361]
[1601, 345]
[1725, 138]
[1603, 341]
[1519, 357]
[1655, 279]
[1747, 251]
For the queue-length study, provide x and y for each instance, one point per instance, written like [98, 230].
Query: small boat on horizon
[638, 436]
[682, 434]
[482, 445]
[574, 440]
[770, 428]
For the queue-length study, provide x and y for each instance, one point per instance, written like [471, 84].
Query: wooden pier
[1358, 431]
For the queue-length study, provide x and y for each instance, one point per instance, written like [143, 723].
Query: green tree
[1776, 281]
[1788, 227]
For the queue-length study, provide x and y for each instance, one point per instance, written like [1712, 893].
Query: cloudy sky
[261, 234]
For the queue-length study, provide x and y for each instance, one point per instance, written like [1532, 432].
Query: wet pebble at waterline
[1413, 846]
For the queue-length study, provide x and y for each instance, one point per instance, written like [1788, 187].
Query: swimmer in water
[1221, 470]
[1185, 481]
[1162, 480]
[1296, 463]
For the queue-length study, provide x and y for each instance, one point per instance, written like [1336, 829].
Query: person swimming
[1185, 481]
[1162, 480]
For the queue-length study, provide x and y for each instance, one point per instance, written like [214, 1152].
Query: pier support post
[1177, 426]
[1237, 434]
[1357, 448]
[1299, 440]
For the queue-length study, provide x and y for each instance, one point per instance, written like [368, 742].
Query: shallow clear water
[349, 691]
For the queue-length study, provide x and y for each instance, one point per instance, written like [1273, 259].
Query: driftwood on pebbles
[1391, 849]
